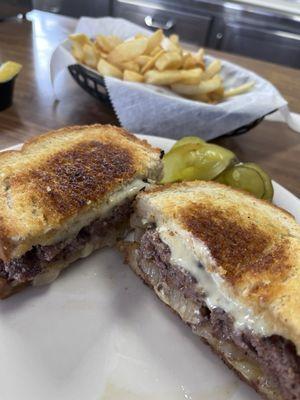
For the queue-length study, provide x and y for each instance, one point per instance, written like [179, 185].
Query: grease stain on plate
[113, 391]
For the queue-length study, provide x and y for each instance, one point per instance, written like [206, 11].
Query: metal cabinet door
[265, 44]
[190, 27]
[89, 8]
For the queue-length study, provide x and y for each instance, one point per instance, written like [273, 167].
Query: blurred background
[263, 29]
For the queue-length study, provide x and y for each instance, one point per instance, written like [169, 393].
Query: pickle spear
[188, 140]
[174, 164]
[269, 190]
[196, 161]
[240, 176]
[189, 174]
[192, 158]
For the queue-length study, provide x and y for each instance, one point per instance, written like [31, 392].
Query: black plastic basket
[90, 81]
[93, 83]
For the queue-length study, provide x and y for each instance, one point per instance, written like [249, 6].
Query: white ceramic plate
[98, 333]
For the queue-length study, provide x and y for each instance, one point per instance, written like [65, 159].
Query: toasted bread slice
[204, 246]
[61, 181]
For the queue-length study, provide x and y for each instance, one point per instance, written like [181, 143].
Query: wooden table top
[271, 144]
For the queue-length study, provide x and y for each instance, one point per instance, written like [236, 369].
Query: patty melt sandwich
[65, 194]
[229, 265]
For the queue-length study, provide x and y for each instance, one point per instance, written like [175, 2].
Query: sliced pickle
[211, 160]
[174, 162]
[269, 190]
[202, 162]
[189, 174]
[188, 140]
[242, 177]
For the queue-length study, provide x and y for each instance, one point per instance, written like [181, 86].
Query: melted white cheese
[104, 208]
[193, 256]
[73, 225]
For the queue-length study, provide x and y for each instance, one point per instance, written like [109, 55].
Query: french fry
[204, 98]
[151, 62]
[162, 78]
[103, 43]
[80, 38]
[131, 66]
[90, 56]
[142, 60]
[168, 45]
[192, 76]
[155, 51]
[204, 87]
[107, 43]
[217, 95]
[78, 41]
[154, 41]
[107, 69]
[189, 62]
[127, 51]
[115, 40]
[174, 38]
[185, 90]
[213, 69]
[210, 85]
[97, 50]
[201, 64]
[77, 51]
[199, 55]
[168, 77]
[170, 60]
[239, 89]
[132, 76]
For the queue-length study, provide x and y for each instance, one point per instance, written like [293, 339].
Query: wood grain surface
[271, 144]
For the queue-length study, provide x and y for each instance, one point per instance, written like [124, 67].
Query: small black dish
[6, 93]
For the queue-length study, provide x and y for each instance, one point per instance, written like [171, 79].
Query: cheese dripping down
[194, 257]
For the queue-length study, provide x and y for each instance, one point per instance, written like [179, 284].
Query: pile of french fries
[156, 60]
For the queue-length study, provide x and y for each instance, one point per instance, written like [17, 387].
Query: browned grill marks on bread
[239, 249]
[189, 185]
[43, 207]
[69, 179]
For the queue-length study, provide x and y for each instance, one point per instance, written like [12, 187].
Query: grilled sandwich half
[65, 194]
[229, 265]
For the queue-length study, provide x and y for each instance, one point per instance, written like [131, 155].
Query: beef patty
[25, 268]
[276, 356]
